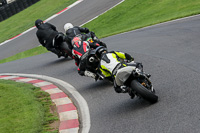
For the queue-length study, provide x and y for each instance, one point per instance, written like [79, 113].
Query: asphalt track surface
[169, 52]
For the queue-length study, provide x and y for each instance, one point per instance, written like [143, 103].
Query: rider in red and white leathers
[80, 47]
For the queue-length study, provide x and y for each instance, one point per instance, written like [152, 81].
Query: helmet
[38, 22]
[100, 50]
[68, 26]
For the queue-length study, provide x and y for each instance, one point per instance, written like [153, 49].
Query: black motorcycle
[60, 44]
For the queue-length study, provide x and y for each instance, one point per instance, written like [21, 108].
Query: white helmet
[68, 26]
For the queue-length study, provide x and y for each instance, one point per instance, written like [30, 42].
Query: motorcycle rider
[108, 63]
[80, 47]
[48, 36]
[72, 31]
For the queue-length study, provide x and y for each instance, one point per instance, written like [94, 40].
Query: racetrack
[79, 14]
[169, 52]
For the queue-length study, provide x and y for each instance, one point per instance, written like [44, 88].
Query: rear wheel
[144, 92]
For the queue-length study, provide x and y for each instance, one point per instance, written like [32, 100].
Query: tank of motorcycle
[123, 74]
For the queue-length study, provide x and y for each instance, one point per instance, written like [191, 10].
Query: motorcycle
[137, 82]
[134, 80]
[62, 46]
[128, 75]
[83, 43]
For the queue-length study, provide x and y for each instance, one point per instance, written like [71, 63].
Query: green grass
[134, 14]
[130, 15]
[24, 108]
[27, 53]
[26, 18]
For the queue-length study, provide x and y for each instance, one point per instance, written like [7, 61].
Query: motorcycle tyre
[144, 92]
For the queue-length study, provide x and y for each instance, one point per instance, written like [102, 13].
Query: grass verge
[26, 18]
[134, 14]
[24, 109]
[130, 15]
[27, 53]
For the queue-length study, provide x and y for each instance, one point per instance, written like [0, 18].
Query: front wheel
[144, 92]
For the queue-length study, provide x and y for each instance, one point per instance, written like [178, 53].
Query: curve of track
[79, 14]
[169, 51]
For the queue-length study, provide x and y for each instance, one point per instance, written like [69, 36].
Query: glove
[92, 34]
[132, 59]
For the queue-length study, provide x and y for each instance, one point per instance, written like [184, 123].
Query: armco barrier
[8, 10]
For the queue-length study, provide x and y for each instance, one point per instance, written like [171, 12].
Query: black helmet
[100, 50]
[38, 22]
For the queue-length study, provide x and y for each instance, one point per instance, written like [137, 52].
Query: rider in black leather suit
[72, 31]
[48, 35]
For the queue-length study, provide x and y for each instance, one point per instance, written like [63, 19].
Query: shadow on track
[55, 63]
[98, 85]
[129, 106]
[59, 61]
